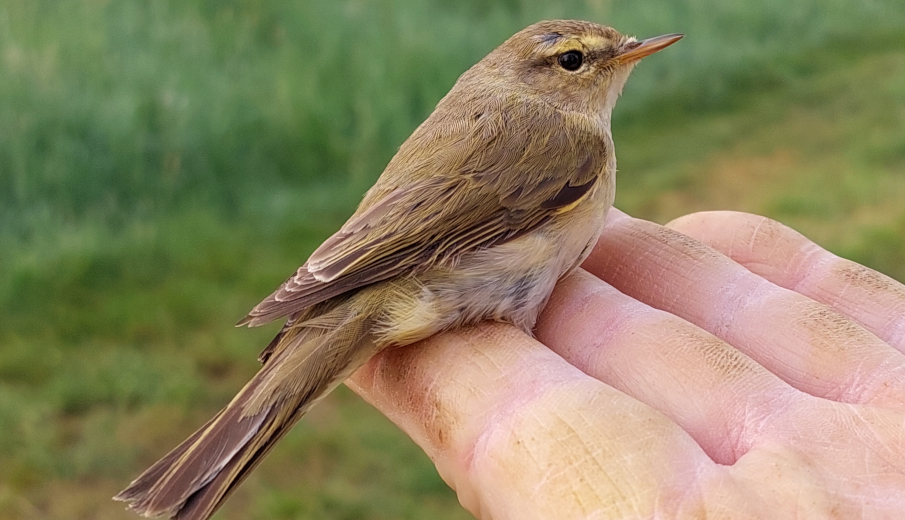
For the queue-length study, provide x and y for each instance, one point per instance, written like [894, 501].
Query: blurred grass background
[164, 165]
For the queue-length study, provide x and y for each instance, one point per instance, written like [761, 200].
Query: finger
[794, 449]
[720, 396]
[804, 342]
[520, 433]
[788, 259]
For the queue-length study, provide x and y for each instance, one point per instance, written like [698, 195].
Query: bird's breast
[509, 282]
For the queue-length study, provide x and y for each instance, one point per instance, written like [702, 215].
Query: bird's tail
[303, 364]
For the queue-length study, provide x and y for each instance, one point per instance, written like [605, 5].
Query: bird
[497, 195]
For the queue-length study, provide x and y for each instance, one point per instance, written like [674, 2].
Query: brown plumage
[497, 195]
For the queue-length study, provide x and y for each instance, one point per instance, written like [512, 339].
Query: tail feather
[194, 479]
[205, 502]
[142, 485]
[164, 488]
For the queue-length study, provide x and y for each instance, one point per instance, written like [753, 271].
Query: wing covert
[473, 193]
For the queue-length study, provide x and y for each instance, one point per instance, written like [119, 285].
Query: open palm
[721, 366]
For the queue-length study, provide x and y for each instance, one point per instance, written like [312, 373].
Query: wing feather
[486, 183]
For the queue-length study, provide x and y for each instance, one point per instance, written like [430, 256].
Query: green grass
[164, 165]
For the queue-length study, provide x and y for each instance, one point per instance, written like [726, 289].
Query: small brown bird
[501, 192]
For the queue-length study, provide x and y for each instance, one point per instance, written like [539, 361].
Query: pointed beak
[634, 51]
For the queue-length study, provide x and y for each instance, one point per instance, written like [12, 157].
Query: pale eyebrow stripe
[550, 38]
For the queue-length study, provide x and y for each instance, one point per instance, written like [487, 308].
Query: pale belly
[510, 282]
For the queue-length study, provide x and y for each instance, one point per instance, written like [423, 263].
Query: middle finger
[806, 343]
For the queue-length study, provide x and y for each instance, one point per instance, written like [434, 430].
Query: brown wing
[475, 182]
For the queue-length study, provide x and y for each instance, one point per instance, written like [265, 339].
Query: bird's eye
[571, 60]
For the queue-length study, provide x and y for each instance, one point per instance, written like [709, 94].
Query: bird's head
[573, 65]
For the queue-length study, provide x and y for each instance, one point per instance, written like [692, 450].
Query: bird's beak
[634, 51]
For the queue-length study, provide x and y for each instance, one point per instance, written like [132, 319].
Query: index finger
[788, 259]
[521, 433]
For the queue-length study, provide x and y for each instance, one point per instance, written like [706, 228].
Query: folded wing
[487, 183]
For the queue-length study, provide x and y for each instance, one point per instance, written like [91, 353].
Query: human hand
[670, 380]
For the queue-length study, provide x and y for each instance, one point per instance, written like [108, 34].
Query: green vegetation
[164, 165]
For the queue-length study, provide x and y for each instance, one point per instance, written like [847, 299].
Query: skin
[731, 369]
